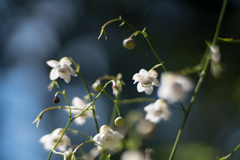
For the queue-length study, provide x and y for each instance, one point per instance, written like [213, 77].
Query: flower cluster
[128, 133]
[173, 88]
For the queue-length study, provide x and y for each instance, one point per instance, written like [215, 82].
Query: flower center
[62, 71]
[146, 84]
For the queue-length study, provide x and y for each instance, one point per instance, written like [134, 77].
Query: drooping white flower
[78, 105]
[108, 139]
[132, 155]
[146, 80]
[174, 87]
[61, 69]
[50, 140]
[157, 111]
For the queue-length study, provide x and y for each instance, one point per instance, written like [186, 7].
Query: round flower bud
[119, 122]
[96, 86]
[56, 99]
[129, 43]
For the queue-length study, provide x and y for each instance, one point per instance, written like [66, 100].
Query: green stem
[99, 94]
[227, 156]
[150, 45]
[114, 113]
[136, 100]
[89, 93]
[64, 131]
[134, 34]
[202, 75]
[78, 132]
[115, 102]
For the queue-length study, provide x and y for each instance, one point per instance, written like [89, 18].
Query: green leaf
[231, 40]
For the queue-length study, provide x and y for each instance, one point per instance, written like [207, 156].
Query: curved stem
[150, 45]
[202, 75]
[115, 103]
[229, 155]
[114, 113]
[134, 34]
[90, 96]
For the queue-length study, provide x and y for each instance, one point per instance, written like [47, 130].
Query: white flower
[132, 155]
[50, 140]
[61, 69]
[157, 111]
[215, 56]
[173, 87]
[108, 139]
[78, 106]
[146, 80]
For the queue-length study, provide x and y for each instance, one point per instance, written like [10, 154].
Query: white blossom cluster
[171, 88]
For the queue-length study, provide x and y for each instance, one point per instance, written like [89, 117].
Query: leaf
[231, 40]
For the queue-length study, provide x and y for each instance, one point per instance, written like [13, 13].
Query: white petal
[96, 138]
[78, 102]
[72, 72]
[117, 135]
[153, 73]
[155, 82]
[143, 72]
[62, 148]
[148, 90]
[149, 108]
[80, 121]
[54, 74]
[136, 76]
[53, 63]
[65, 60]
[140, 88]
[152, 118]
[67, 78]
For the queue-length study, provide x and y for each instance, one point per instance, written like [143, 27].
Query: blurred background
[33, 32]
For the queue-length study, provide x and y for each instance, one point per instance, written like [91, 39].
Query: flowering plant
[172, 88]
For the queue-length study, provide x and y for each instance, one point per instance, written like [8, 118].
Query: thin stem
[99, 94]
[118, 19]
[70, 109]
[230, 154]
[136, 100]
[65, 129]
[78, 132]
[90, 96]
[115, 103]
[134, 34]
[150, 45]
[202, 75]
[114, 113]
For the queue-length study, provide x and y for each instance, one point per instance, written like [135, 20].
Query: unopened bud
[129, 43]
[56, 99]
[97, 86]
[119, 122]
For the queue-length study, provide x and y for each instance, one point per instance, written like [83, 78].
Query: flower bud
[96, 86]
[56, 99]
[129, 43]
[119, 122]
